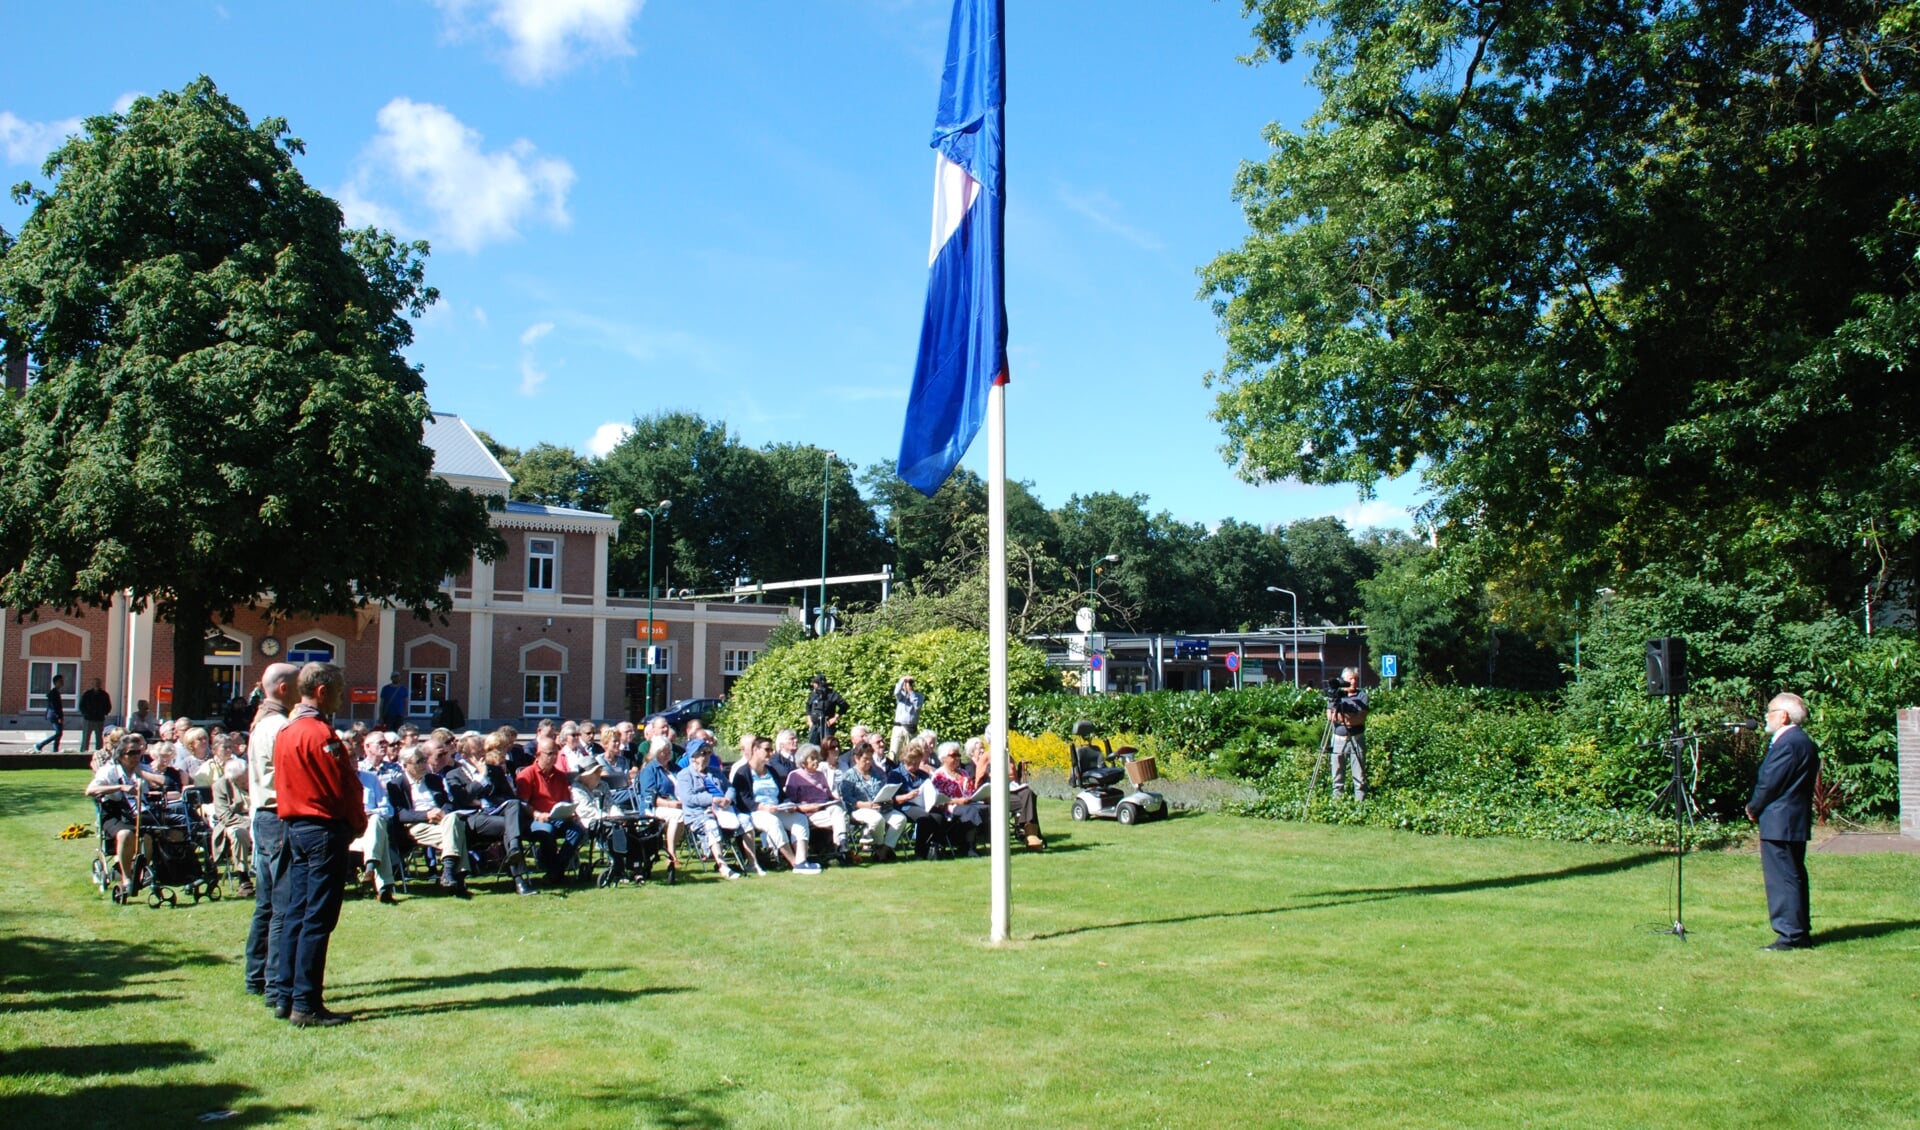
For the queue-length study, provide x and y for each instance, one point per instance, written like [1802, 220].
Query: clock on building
[269, 647]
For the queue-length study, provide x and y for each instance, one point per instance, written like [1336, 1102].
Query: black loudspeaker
[1666, 666]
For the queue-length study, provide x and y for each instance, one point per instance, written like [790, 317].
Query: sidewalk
[16, 751]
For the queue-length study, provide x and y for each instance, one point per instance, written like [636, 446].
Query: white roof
[460, 457]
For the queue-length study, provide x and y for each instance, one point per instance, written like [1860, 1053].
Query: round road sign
[1233, 661]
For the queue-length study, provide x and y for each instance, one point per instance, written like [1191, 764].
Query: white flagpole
[997, 652]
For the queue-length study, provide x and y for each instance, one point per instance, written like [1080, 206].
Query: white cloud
[28, 143]
[1104, 212]
[546, 37]
[480, 314]
[532, 376]
[1376, 512]
[606, 437]
[474, 197]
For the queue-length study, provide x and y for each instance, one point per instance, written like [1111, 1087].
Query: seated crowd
[462, 801]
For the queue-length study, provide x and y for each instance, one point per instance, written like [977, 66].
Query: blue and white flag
[963, 337]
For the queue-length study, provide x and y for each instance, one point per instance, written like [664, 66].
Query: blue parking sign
[1389, 666]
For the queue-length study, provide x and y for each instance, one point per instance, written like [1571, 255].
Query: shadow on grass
[1329, 899]
[512, 975]
[60, 965]
[119, 1105]
[1863, 930]
[99, 1059]
[545, 998]
[1501, 882]
[699, 1110]
[19, 798]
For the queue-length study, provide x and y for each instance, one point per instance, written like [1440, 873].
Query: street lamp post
[1093, 567]
[1296, 630]
[826, 490]
[660, 507]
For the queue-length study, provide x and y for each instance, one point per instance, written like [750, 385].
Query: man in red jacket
[323, 809]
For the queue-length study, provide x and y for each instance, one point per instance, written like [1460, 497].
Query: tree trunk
[190, 684]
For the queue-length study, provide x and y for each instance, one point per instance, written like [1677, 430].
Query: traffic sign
[1096, 662]
[1389, 666]
[1233, 661]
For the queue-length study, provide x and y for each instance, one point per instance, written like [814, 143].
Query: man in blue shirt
[394, 700]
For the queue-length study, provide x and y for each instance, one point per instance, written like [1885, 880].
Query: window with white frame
[312, 649]
[543, 696]
[634, 661]
[541, 553]
[40, 675]
[736, 660]
[426, 690]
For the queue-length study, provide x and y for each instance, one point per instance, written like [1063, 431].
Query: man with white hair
[271, 859]
[1782, 805]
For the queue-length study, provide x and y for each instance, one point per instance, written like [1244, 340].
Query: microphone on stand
[1744, 724]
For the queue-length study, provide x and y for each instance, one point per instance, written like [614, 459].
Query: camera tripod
[1319, 758]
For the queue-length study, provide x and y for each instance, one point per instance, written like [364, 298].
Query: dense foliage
[948, 666]
[220, 412]
[1629, 283]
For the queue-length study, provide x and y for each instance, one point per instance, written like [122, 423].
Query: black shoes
[1783, 945]
[521, 886]
[281, 1010]
[322, 1019]
[386, 896]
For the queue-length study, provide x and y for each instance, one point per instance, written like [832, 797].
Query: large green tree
[737, 511]
[1627, 281]
[220, 413]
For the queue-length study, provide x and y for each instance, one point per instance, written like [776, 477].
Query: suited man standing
[1782, 805]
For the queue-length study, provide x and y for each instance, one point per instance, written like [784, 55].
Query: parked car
[686, 710]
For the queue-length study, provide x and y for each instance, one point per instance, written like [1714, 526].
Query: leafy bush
[1746, 642]
[1197, 726]
[948, 666]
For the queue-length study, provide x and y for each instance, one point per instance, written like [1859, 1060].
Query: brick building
[534, 634]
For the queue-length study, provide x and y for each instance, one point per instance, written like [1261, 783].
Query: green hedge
[948, 666]
[1233, 733]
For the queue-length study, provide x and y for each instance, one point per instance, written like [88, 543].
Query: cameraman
[1347, 717]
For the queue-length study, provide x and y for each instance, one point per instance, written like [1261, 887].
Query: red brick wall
[513, 632]
[56, 645]
[576, 565]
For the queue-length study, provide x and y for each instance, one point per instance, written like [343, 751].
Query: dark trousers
[268, 932]
[95, 730]
[315, 881]
[59, 731]
[506, 825]
[558, 845]
[1784, 864]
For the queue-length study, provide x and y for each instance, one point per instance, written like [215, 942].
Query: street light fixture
[660, 507]
[826, 489]
[1092, 568]
[1296, 630]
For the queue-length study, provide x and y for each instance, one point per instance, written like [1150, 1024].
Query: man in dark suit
[1782, 805]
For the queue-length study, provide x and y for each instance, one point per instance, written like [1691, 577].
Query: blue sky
[723, 206]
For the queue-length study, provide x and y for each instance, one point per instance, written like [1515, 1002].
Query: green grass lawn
[1209, 971]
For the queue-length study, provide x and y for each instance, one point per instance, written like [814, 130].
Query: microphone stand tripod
[1679, 792]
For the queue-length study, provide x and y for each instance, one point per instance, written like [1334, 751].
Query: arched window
[312, 649]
